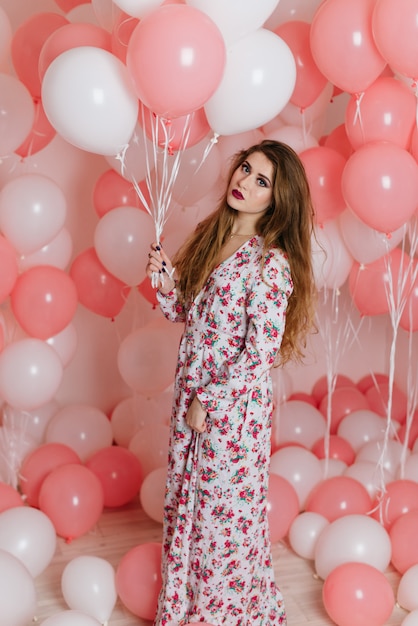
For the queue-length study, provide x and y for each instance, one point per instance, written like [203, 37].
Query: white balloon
[386, 455]
[71, 618]
[30, 373]
[411, 619]
[351, 538]
[6, 34]
[122, 239]
[366, 473]
[235, 18]
[152, 493]
[366, 244]
[300, 467]
[33, 210]
[407, 596]
[332, 261]
[65, 343]
[137, 8]
[258, 81]
[32, 423]
[89, 99]
[360, 427]
[294, 136]
[30, 536]
[17, 592]
[304, 532]
[410, 468]
[17, 114]
[57, 252]
[88, 585]
[83, 428]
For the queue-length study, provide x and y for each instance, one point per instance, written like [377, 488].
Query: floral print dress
[217, 565]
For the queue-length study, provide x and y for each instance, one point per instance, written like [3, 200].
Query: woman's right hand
[159, 264]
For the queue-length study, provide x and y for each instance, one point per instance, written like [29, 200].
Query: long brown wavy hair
[287, 224]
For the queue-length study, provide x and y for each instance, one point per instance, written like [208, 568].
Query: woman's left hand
[196, 416]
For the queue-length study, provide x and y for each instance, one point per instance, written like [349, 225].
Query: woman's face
[251, 186]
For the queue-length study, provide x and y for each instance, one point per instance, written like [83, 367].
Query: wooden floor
[120, 530]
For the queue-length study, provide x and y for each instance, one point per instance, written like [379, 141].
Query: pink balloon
[390, 18]
[71, 36]
[119, 472]
[320, 388]
[358, 594]
[342, 401]
[72, 497]
[342, 44]
[378, 176]
[166, 82]
[409, 316]
[97, 289]
[9, 267]
[338, 140]
[324, 168]
[309, 80]
[38, 464]
[181, 132]
[44, 301]
[384, 112]
[376, 278]
[122, 30]
[400, 497]
[279, 517]
[27, 43]
[378, 398]
[403, 535]
[111, 191]
[334, 448]
[369, 380]
[9, 497]
[138, 579]
[339, 496]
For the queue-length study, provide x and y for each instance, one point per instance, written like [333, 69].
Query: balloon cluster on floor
[156, 97]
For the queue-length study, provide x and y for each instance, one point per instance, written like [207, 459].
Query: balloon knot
[68, 539]
[389, 235]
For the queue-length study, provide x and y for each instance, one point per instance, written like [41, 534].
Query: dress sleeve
[171, 307]
[266, 314]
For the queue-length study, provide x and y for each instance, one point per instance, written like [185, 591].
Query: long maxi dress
[217, 566]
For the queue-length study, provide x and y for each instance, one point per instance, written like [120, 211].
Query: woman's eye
[245, 167]
[262, 182]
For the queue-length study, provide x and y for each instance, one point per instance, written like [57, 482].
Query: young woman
[244, 288]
